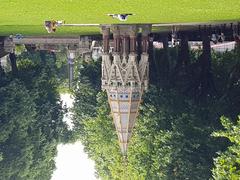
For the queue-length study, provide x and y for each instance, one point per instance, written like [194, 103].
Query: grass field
[27, 16]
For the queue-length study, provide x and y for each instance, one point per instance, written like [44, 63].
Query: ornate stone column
[133, 44]
[125, 45]
[105, 35]
[145, 33]
[125, 79]
[144, 44]
[70, 57]
[116, 39]
[133, 37]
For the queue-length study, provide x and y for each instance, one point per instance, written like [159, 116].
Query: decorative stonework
[124, 78]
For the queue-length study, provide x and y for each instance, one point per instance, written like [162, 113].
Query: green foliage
[172, 136]
[15, 142]
[227, 164]
[31, 123]
[62, 69]
[87, 85]
[170, 140]
[19, 49]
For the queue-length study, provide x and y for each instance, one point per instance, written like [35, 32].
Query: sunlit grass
[27, 16]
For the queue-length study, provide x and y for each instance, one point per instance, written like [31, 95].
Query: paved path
[166, 24]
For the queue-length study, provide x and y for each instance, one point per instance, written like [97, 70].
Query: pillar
[105, 35]
[70, 57]
[70, 65]
[144, 44]
[133, 38]
[116, 39]
[145, 35]
[125, 44]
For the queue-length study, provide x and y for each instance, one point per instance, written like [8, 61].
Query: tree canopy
[178, 133]
[30, 118]
[172, 137]
[227, 164]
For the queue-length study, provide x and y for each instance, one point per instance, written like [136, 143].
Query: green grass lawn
[27, 16]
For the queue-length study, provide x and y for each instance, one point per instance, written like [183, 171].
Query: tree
[87, 86]
[31, 120]
[172, 136]
[227, 164]
[16, 117]
[13, 58]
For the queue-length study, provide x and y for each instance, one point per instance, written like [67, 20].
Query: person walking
[51, 26]
[120, 17]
